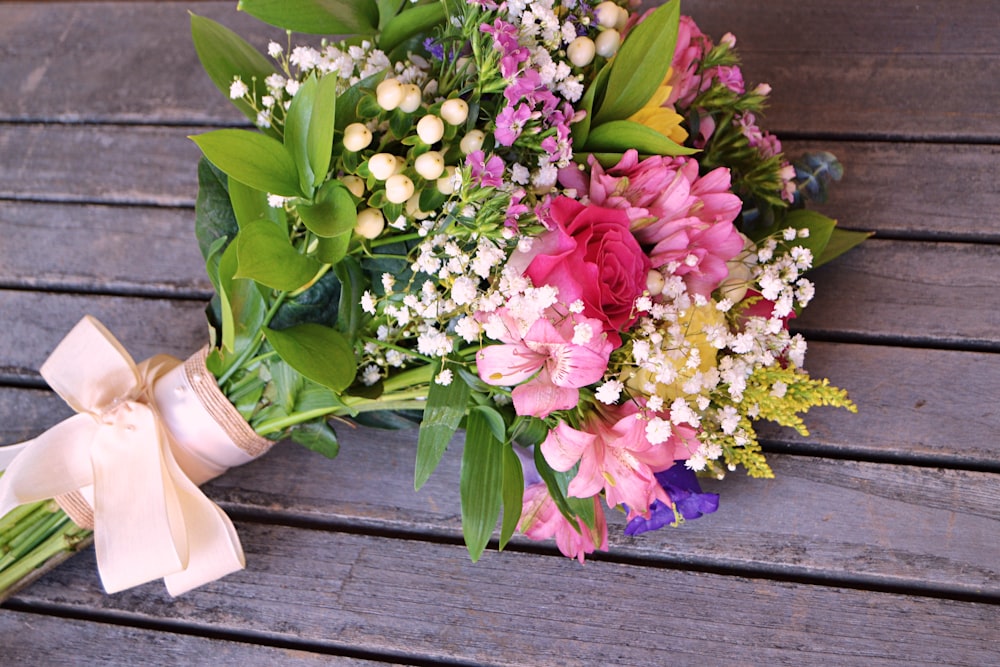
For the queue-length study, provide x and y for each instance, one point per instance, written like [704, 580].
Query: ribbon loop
[120, 457]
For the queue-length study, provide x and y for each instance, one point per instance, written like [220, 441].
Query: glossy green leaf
[267, 256]
[348, 100]
[352, 287]
[332, 213]
[250, 204]
[251, 158]
[841, 240]
[820, 229]
[556, 485]
[317, 436]
[242, 306]
[334, 248]
[513, 494]
[481, 483]
[224, 55]
[618, 136]
[443, 413]
[321, 128]
[317, 304]
[297, 132]
[641, 64]
[387, 9]
[316, 17]
[320, 353]
[411, 21]
[593, 95]
[213, 213]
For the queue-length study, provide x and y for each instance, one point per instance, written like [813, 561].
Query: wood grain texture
[89, 643]
[428, 601]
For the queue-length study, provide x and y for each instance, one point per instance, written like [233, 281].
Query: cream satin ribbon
[130, 461]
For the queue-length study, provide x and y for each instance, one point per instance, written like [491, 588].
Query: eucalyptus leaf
[251, 158]
[409, 22]
[641, 64]
[267, 256]
[213, 213]
[481, 483]
[445, 408]
[618, 136]
[224, 55]
[319, 353]
[332, 213]
[317, 436]
[316, 17]
[512, 494]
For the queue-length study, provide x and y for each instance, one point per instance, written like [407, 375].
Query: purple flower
[682, 486]
[510, 123]
[435, 48]
[486, 172]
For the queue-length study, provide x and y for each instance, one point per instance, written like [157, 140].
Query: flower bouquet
[553, 225]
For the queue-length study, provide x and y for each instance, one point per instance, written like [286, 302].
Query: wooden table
[877, 544]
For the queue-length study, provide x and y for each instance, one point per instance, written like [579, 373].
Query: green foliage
[412, 21]
[266, 256]
[252, 158]
[512, 494]
[800, 393]
[319, 353]
[317, 436]
[309, 126]
[481, 484]
[332, 213]
[333, 17]
[446, 406]
[618, 136]
[213, 213]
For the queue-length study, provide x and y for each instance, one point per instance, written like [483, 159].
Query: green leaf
[251, 158]
[333, 249]
[513, 494]
[347, 101]
[413, 21]
[320, 353]
[309, 129]
[332, 213]
[387, 9]
[641, 64]
[317, 436]
[841, 240]
[213, 212]
[224, 55]
[481, 482]
[321, 127]
[267, 256]
[820, 228]
[593, 94]
[352, 287]
[250, 204]
[618, 136]
[242, 306]
[317, 304]
[297, 132]
[443, 413]
[316, 17]
[555, 486]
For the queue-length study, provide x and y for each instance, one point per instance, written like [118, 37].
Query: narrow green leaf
[618, 136]
[213, 212]
[481, 482]
[552, 483]
[593, 95]
[332, 213]
[443, 413]
[513, 494]
[224, 55]
[641, 64]
[321, 128]
[317, 436]
[320, 353]
[316, 17]
[409, 22]
[841, 240]
[267, 256]
[242, 307]
[251, 158]
[297, 122]
[387, 9]
[352, 287]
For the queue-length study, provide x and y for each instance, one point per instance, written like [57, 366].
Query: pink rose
[589, 254]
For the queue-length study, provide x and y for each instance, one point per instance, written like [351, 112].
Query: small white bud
[429, 165]
[455, 111]
[398, 188]
[356, 137]
[655, 282]
[581, 51]
[370, 223]
[382, 165]
[607, 14]
[608, 42]
[389, 94]
[354, 185]
[430, 129]
[472, 141]
[412, 98]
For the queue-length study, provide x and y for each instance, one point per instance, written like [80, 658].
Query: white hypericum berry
[413, 208]
[398, 188]
[607, 43]
[412, 97]
[382, 165]
[446, 184]
[354, 185]
[607, 14]
[429, 165]
[370, 223]
[581, 51]
[389, 94]
[430, 129]
[455, 111]
[356, 137]
[655, 282]
[472, 141]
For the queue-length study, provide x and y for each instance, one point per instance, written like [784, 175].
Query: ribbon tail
[54, 463]
[9, 452]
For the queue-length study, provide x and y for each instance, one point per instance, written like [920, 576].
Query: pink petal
[507, 365]
[564, 446]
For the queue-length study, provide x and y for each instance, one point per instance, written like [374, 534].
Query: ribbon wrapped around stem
[129, 463]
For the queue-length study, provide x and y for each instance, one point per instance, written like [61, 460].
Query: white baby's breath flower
[609, 392]
[444, 378]
[658, 430]
[237, 89]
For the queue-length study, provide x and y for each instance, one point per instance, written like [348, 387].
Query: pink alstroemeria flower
[541, 519]
[615, 456]
[545, 367]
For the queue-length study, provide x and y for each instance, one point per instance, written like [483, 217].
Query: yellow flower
[661, 118]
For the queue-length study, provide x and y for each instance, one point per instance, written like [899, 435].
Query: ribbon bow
[150, 519]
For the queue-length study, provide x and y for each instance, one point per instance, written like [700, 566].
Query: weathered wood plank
[34, 323]
[831, 72]
[34, 639]
[931, 294]
[428, 601]
[108, 244]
